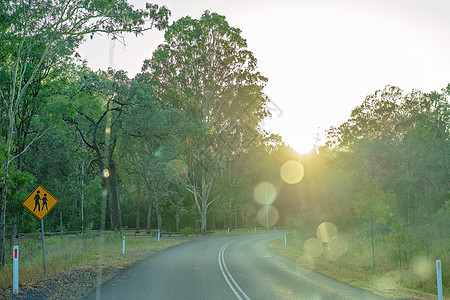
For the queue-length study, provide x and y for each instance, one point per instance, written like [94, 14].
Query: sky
[321, 57]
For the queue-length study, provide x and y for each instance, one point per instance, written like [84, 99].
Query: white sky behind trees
[322, 57]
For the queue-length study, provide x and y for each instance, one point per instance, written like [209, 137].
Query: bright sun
[301, 147]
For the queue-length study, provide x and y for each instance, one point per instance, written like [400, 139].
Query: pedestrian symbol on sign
[36, 201]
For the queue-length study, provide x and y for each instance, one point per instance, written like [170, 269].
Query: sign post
[16, 270]
[33, 203]
[43, 247]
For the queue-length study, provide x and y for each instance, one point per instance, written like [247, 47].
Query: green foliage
[187, 231]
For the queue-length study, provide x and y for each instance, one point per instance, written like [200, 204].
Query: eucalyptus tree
[39, 33]
[205, 69]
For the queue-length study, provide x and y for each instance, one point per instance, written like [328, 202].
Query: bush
[187, 231]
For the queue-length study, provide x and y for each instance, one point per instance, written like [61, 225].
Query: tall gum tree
[205, 69]
[56, 27]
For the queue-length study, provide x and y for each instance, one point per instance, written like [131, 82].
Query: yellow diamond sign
[40, 202]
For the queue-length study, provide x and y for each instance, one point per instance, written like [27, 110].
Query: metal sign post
[43, 247]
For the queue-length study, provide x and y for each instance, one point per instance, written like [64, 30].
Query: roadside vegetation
[348, 259]
[79, 252]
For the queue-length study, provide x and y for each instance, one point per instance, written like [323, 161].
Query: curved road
[236, 267]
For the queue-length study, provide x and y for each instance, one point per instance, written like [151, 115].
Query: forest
[178, 147]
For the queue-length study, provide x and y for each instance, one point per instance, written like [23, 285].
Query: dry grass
[74, 253]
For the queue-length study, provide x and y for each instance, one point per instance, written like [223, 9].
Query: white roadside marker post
[159, 234]
[439, 279]
[285, 243]
[228, 230]
[16, 270]
[123, 246]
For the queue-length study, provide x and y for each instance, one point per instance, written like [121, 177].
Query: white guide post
[123, 246]
[285, 243]
[16, 270]
[439, 279]
[159, 234]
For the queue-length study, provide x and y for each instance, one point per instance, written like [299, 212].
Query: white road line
[227, 275]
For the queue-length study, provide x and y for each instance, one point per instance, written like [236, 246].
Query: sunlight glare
[292, 172]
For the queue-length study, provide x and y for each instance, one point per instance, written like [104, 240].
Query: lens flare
[292, 172]
[265, 193]
[313, 247]
[274, 216]
[336, 248]
[176, 169]
[326, 232]
[422, 267]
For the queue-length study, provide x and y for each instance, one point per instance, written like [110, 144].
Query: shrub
[187, 231]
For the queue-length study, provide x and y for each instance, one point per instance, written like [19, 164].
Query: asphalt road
[240, 267]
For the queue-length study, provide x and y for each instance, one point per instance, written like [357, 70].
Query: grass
[353, 266]
[77, 252]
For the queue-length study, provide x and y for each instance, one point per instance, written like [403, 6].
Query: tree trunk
[177, 221]
[158, 215]
[203, 216]
[61, 223]
[3, 213]
[14, 233]
[138, 206]
[82, 196]
[116, 216]
[373, 245]
[149, 213]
